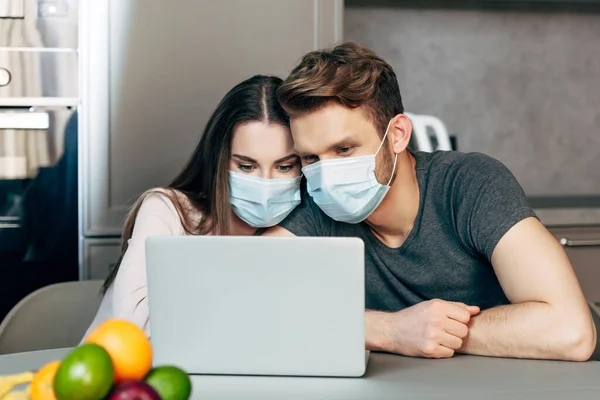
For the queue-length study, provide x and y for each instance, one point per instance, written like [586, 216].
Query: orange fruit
[128, 347]
[42, 386]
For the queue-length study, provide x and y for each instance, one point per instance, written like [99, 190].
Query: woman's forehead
[261, 141]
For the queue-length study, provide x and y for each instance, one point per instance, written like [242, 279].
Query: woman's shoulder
[168, 204]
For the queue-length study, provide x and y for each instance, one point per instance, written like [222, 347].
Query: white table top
[394, 377]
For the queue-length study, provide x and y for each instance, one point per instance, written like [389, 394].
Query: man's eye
[309, 158]
[245, 168]
[344, 150]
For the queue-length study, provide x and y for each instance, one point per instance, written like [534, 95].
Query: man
[456, 261]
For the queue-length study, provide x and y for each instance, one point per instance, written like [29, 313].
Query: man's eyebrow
[347, 140]
[244, 158]
[343, 142]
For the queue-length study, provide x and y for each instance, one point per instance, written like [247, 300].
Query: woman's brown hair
[204, 179]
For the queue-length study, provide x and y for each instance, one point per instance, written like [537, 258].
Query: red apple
[134, 390]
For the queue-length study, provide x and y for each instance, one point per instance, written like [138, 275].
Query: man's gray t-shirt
[467, 203]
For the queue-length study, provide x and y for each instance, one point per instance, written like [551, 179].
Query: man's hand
[432, 329]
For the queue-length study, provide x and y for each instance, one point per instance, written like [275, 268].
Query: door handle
[566, 242]
[9, 222]
[24, 120]
[12, 9]
[9, 226]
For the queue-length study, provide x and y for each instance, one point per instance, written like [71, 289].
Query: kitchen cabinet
[582, 245]
[99, 256]
[153, 71]
[496, 5]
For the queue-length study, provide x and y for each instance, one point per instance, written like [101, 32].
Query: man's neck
[393, 220]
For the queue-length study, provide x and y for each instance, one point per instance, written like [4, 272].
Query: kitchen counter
[556, 217]
[394, 377]
[555, 211]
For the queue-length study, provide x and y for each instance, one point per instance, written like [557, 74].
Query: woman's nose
[267, 174]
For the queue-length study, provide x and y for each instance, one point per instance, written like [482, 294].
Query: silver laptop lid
[257, 305]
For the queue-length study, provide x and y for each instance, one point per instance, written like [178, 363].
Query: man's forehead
[332, 120]
[333, 117]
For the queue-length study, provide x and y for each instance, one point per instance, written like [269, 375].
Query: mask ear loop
[384, 136]
[395, 158]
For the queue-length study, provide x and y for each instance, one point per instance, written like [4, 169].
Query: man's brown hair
[349, 74]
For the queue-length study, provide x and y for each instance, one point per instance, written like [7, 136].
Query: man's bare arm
[548, 317]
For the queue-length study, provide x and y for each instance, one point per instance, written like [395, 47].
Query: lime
[171, 383]
[85, 374]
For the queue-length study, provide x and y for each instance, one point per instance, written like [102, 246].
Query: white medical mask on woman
[261, 202]
[346, 189]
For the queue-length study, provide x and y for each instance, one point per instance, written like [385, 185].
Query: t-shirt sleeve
[488, 201]
[307, 219]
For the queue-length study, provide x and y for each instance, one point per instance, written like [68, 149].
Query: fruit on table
[17, 395]
[134, 390]
[115, 363]
[128, 347]
[85, 374]
[8, 382]
[41, 387]
[171, 383]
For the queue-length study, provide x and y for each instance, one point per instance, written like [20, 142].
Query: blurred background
[102, 100]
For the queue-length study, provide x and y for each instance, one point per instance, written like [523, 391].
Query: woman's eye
[245, 168]
[344, 150]
[309, 158]
[285, 168]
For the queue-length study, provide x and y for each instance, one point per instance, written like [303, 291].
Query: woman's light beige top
[126, 297]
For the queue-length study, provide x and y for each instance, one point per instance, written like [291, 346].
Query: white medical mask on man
[346, 189]
[261, 202]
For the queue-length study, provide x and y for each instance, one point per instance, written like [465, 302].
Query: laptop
[231, 305]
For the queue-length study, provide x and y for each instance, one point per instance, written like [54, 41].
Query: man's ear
[399, 133]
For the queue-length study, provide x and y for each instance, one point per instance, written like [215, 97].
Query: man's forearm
[528, 330]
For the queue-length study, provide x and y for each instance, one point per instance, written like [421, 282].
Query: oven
[39, 98]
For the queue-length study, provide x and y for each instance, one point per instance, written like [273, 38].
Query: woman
[246, 156]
